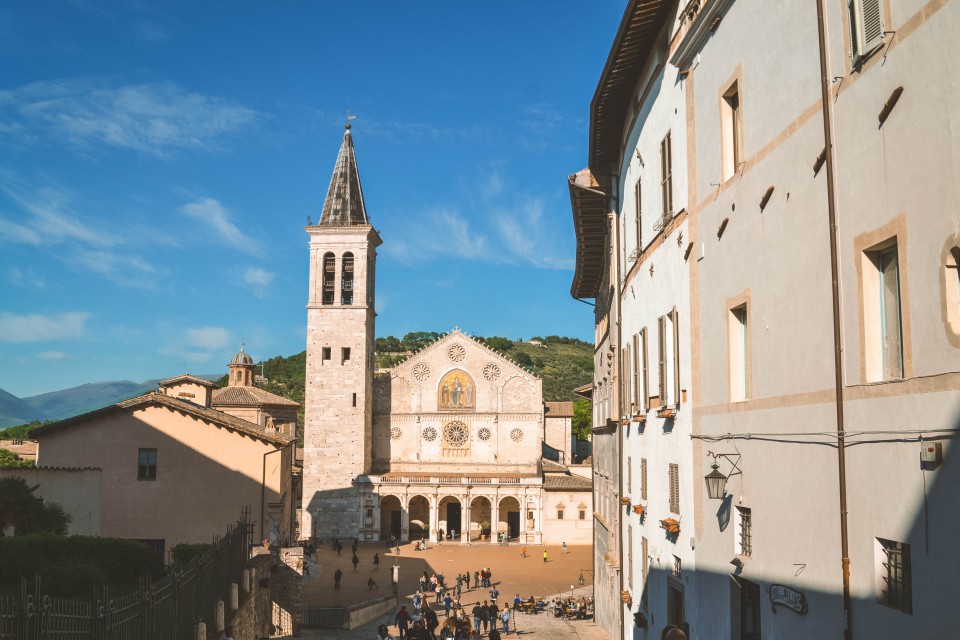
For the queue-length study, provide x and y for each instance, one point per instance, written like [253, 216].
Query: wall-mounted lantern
[716, 483]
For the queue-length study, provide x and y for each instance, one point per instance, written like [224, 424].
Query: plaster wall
[76, 490]
[570, 529]
[205, 474]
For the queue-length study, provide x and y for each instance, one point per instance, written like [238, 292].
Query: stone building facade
[449, 442]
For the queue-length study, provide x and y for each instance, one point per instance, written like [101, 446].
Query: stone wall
[251, 620]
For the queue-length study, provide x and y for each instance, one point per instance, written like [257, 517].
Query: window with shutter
[624, 378]
[674, 479]
[329, 269]
[662, 359]
[644, 569]
[630, 556]
[643, 478]
[644, 365]
[866, 27]
[629, 475]
[637, 388]
[666, 176]
[675, 317]
[636, 197]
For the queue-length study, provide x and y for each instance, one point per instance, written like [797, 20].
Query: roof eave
[589, 206]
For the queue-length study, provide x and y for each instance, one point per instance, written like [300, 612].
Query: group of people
[579, 608]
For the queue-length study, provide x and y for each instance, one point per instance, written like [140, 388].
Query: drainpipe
[826, 99]
[615, 182]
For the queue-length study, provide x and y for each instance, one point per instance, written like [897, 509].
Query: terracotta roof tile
[558, 409]
[558, 482]
[249, 396]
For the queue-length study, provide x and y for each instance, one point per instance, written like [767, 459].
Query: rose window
[516, 435]
[457, 353]
[429, 434]
[491, 372]
[395, 433]
[455, 434]
[484, 434]
[421, 371]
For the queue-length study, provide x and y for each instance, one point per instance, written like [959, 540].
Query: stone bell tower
[338, 404]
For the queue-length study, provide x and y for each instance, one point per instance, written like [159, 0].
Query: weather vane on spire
[349, 118]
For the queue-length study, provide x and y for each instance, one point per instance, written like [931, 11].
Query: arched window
[329, 269]
[346, 279]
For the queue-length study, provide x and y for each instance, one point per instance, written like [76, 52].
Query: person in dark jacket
[402, 620]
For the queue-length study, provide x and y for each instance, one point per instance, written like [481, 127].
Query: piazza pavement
[512, 574]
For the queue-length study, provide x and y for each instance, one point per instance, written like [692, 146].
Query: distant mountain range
[57, 405]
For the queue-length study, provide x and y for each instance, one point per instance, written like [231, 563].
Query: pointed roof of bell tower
[344, 206]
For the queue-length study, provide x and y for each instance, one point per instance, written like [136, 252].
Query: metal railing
[163, 609]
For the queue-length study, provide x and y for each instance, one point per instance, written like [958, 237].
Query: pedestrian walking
[447, 603]
[563, 549]
[376, 561]
[544, 555]
[337, 575]
[494, 594]
[505, 618]
[493, 612]
[523, 551]
[432, 623]
[476, 578]
[355, 561]
[485, 615]
[383, 633]
[372, 584]
[466, 577]
[402, 620]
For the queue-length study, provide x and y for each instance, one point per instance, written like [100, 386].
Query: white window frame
[866, 27]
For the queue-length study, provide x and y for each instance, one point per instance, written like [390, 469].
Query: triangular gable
[448, 341]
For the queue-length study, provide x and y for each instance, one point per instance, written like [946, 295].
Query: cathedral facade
[452, 443]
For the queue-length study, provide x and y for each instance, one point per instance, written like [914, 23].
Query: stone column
[494, 518]
[404, 518]
[432, 519]
[376, 515]
[465, 521]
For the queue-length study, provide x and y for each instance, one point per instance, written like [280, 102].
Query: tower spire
[344, 206]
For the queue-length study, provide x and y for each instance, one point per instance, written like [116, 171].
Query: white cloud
[52, 355]
[46, 216]
[158, 119]
[207, 337]
[257, 277]
[214, 215]
[19, 277]
[440, 232]
[39, 328]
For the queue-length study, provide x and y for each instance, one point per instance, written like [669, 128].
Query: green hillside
[562, 363]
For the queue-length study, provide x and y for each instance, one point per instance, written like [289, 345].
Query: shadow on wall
[759, 607]
[190, 497]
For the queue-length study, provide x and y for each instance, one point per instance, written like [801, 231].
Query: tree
[27, 513]
[523, 359]
[582, 417]
[498, 344]
[10, 459]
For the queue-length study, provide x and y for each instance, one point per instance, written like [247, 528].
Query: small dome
[241, 358]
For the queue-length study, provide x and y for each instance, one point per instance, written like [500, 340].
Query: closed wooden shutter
[676, 357]
[637, 404]
[662, 359]
[645, 365]
[644, 569]
[666, 173]
[674, 480]
[636, 195]
[643, 478]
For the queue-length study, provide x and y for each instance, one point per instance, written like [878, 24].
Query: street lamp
[716, 483]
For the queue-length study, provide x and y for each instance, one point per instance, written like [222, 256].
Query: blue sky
[158, 161]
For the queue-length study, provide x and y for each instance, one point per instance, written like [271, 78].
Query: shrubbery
[74, 565]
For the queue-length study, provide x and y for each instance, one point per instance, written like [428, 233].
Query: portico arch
[509, 517]
[391, 518]
[419, 510]
[481, 513]
[450, 516]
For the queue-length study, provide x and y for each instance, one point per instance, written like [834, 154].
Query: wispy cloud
[257, 277]
[52, 355]
[25, 277]
[501, 227]
[208, 338]
[38, 328]
[212, 214]
[157, 119]
[47, 216]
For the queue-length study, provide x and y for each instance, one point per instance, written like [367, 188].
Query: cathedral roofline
[456, 333]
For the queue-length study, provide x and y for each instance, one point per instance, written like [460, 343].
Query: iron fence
[164, 609]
